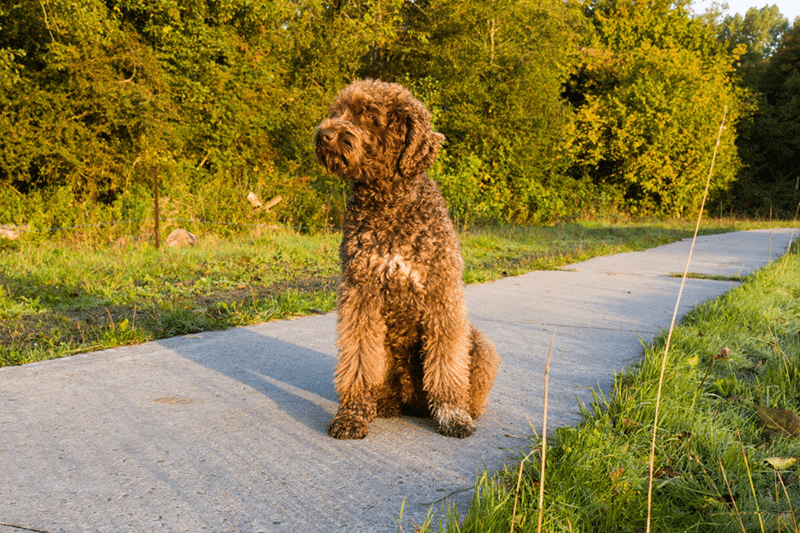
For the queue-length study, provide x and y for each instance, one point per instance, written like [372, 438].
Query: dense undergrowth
[552, 110]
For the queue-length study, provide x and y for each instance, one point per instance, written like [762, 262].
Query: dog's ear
[422, 143]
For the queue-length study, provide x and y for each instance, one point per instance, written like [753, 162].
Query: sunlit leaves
[652, 91]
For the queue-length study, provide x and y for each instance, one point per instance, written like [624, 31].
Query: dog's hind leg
[483, 363]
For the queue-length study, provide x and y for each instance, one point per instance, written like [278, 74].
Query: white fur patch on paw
[454, 421]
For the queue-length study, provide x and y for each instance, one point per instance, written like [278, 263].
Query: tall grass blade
[752, 487]
[791, 507]
[735, 507]
[544, 433]
[516, 492]
[672, 326]
[544, 449]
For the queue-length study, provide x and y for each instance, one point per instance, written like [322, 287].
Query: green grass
[60, 297]
[714, 277]
[493, 253]
[597, 473]
[57, 300]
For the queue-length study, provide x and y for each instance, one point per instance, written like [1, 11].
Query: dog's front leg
[446, 368]
[361, 368]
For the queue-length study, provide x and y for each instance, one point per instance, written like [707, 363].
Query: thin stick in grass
[672, 325]
[791, 239]
[777, 504]
[544, 433]
[735, 507]
[791, 235]
[516, 493]
[544, 449]
[752, 487]
[791, 508]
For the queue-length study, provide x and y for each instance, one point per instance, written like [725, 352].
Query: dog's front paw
[454, 422]
[346, 426]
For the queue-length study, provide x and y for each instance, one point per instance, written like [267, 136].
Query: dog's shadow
[298, 380]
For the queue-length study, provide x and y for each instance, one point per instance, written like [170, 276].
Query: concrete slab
[226, 431]
[729, 254]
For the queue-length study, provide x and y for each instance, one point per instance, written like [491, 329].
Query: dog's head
[374, 130]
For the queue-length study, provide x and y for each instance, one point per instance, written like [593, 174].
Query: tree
[83, 97]
[649, 97]
[759, 32]
[770, 142]
[491, 72]
[101, 91]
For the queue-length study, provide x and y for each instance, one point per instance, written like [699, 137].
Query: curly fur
[405, 341]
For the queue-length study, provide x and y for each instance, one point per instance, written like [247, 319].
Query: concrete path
[226, 431]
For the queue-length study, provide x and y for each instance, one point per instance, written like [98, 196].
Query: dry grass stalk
[791, 238]
[672, 325]
[752, 487]
[516, 493]
[544, 433]
[727, 484]
[791, 508]
[544, 449]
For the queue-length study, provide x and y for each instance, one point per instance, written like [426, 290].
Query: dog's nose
[325, 135]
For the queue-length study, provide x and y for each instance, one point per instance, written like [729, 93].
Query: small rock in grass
[181, 237]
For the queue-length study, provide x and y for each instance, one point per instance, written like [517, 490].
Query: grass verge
[728, 443]
[58, 298]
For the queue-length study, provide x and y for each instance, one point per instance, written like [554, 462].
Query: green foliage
[492, 74]
[552, 110]
[102, 94]
[770, 140]
[758, 35]
[650, 96]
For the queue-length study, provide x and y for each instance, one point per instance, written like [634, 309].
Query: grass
[56, 300]
[720, 463]
[714, 277]
[59, 298]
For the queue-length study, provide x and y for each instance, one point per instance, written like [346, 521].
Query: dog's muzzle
[336, 147]
[323, 136]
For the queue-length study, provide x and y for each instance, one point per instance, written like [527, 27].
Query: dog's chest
[394, 261]
[398, 273]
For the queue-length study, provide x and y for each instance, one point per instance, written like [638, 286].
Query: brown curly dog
[405, 341]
